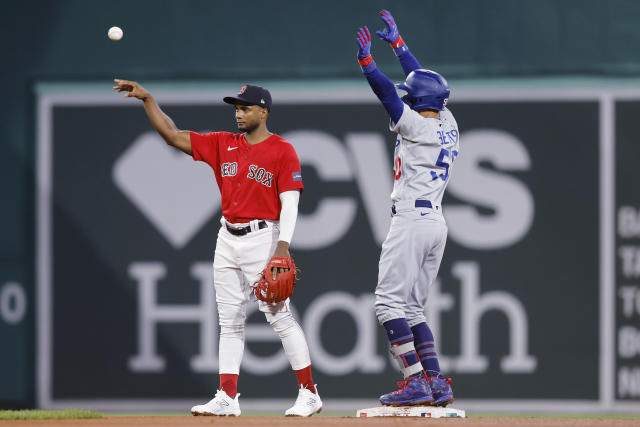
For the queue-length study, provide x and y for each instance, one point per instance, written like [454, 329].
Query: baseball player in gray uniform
[426, 147]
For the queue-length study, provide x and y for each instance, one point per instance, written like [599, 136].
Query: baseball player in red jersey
[260, 181]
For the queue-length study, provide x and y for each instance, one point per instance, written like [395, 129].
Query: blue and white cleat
[441, 390]
[411, 392]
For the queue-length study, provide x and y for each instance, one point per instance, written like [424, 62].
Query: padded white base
[411, 411]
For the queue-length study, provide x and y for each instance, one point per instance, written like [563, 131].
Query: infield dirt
[328, 421]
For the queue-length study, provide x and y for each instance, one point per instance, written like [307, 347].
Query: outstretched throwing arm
[391, 35]
[160, 121]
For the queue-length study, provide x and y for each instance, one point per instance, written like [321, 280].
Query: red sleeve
[205, 147]
[290, 174]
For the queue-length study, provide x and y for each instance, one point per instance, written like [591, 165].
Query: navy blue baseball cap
[252, 95]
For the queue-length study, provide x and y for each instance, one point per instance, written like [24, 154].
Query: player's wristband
[402, 49]
[398, 43]
[365, 61]
[367, 64]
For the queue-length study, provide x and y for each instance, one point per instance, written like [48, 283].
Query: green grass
[148, 414]
[36, 414]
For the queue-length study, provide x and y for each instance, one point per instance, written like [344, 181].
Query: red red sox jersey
[250, 177]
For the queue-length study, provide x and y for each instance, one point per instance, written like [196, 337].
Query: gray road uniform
[425, 151]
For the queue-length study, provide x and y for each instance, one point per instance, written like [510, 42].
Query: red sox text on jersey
[250, 177]
[261, 175]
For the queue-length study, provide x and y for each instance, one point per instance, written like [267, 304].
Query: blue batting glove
[390, 34]
[364, 50]
[364, 43]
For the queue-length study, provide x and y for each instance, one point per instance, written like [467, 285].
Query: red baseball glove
[272, 290]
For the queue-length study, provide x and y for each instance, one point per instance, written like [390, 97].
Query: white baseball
[115, 33]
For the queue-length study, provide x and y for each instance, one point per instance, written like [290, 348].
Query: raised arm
[391, 35]
[380, 84]
[160, 121]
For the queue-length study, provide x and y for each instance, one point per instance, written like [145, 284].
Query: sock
[229, 384]
[305, 379]
[398, 333]
[425, 347]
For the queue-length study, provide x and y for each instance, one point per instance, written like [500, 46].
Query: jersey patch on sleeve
[297, 176]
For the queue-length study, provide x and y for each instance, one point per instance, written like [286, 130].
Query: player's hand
[275, 271]
[282, 250]
[390, 33]
[364, 42]
[133, 89]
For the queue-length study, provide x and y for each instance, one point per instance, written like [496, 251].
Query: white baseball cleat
[220, 405]
[307, 404]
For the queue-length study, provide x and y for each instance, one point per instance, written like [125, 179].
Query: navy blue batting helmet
[426, 90]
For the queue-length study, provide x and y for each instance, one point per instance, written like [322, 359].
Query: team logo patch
[242, 90]
[297, 176]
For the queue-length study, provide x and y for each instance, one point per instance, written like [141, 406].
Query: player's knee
[385, 313]
[232, 331]
[231, 314]
[414, 319]
[281, 322]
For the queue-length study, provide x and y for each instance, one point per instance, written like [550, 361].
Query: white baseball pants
[237, 264]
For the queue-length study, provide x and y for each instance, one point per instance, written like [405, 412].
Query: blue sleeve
[386, 92]
[407, 60]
